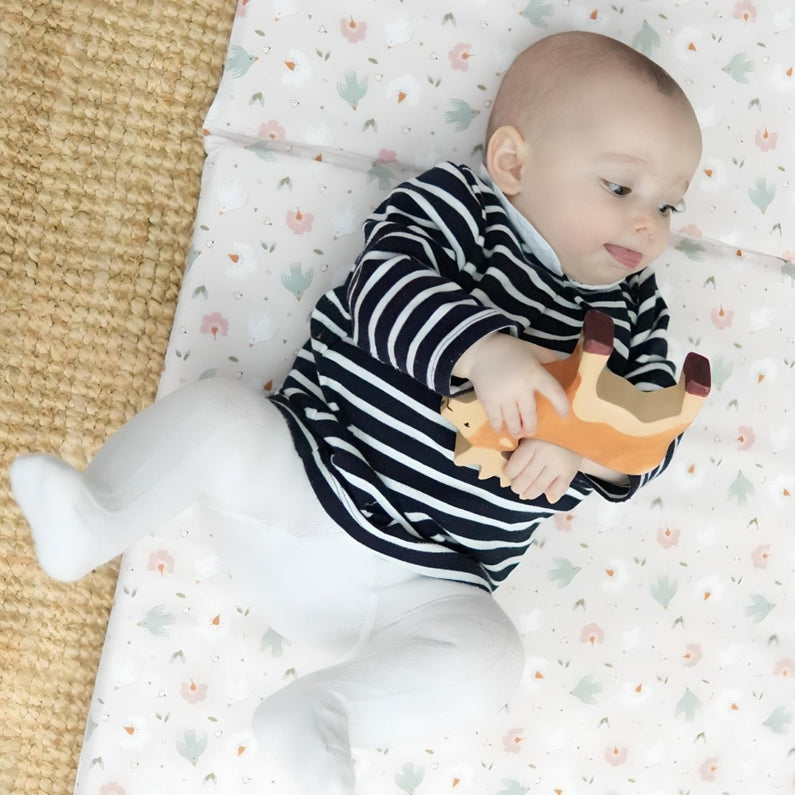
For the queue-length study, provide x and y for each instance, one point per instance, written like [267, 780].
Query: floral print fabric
[386, 80]
[660, 635]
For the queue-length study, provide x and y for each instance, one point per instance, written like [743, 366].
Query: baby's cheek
[660, 244]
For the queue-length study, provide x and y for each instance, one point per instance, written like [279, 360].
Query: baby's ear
[506, 154]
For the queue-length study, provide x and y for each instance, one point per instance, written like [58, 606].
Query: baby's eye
[669, 209]
[616, 189]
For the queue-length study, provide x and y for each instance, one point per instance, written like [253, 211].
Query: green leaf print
[692, 250]
[762, 194]
[192, 746]
[741, 489]
[721, 371]
[156, 621]
[461, 115]
[739, 67]
[759, 609]
[512, 787]
[409, 778]
[536, 12]
[297, 280]
[587, 690]
[382, 175]
[352, 89]
[646, 39]
[274, 641]
[688, 705]
[563, 573]
[664, 590]
[239, 61]
[193, 255]
[263, 151]
[778, 720]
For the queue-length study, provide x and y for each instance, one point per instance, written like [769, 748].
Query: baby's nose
[646, 220]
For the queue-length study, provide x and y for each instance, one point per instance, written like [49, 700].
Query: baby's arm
[506, 372]
[537, 467]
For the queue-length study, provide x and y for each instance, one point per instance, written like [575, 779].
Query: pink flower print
[387, 156]
[215, 324]
[299, 222]
[766, 140]
[785, 668]
[459, 56]
[691, 230]
[708, 769]
[563, 522]
[161, 561]
[272, 130]
[745, 10]
[722, 318]
[760, 556]
[746, 437]
[692, 655]
[511, 741]
[667, 538]
[616, 756]
[352, 30]
[593, 634]
[112, 788]
[193, 693]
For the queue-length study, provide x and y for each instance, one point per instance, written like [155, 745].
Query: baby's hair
[547, 65]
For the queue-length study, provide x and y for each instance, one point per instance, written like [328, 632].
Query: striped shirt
[442, 266]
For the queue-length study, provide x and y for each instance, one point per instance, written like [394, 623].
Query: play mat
[660, 635]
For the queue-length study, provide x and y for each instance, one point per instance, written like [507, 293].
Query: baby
[345, 513]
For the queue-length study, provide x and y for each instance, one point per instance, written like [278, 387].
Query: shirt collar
[533, 239]
[526, 231]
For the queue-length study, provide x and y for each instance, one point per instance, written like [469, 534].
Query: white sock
[62, 514]
[306, 734]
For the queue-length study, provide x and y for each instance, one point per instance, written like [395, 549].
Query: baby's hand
[506, 373]
[537, 467]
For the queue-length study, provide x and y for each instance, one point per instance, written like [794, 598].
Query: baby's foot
[59, 510]
[309, 739]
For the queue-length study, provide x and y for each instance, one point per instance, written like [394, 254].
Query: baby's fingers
[524, 417]
[556, 489]
[551, 389]
[519, 459]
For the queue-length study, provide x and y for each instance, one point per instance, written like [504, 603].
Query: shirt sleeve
[648, 368]
[410, 291]
[622, 492]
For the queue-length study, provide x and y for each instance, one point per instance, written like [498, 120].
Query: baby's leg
[442, 654]
[216, 440]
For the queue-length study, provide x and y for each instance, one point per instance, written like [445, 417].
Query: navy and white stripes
[441, 267]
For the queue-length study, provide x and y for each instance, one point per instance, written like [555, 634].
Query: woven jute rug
[101, 104]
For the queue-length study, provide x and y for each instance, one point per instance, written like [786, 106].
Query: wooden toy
[610, 421]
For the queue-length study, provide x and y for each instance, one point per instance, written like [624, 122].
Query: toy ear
[506, 155]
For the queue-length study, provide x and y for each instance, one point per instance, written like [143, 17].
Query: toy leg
[440, 655]
[215, 441]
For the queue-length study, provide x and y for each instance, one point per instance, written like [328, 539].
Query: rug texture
[100, 163]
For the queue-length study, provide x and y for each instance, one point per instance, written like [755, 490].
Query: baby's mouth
[624, 256]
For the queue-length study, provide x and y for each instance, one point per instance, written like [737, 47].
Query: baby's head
[595, 144]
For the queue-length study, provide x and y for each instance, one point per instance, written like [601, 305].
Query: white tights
[425, 655]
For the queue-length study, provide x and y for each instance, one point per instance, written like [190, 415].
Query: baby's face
[605, 174]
